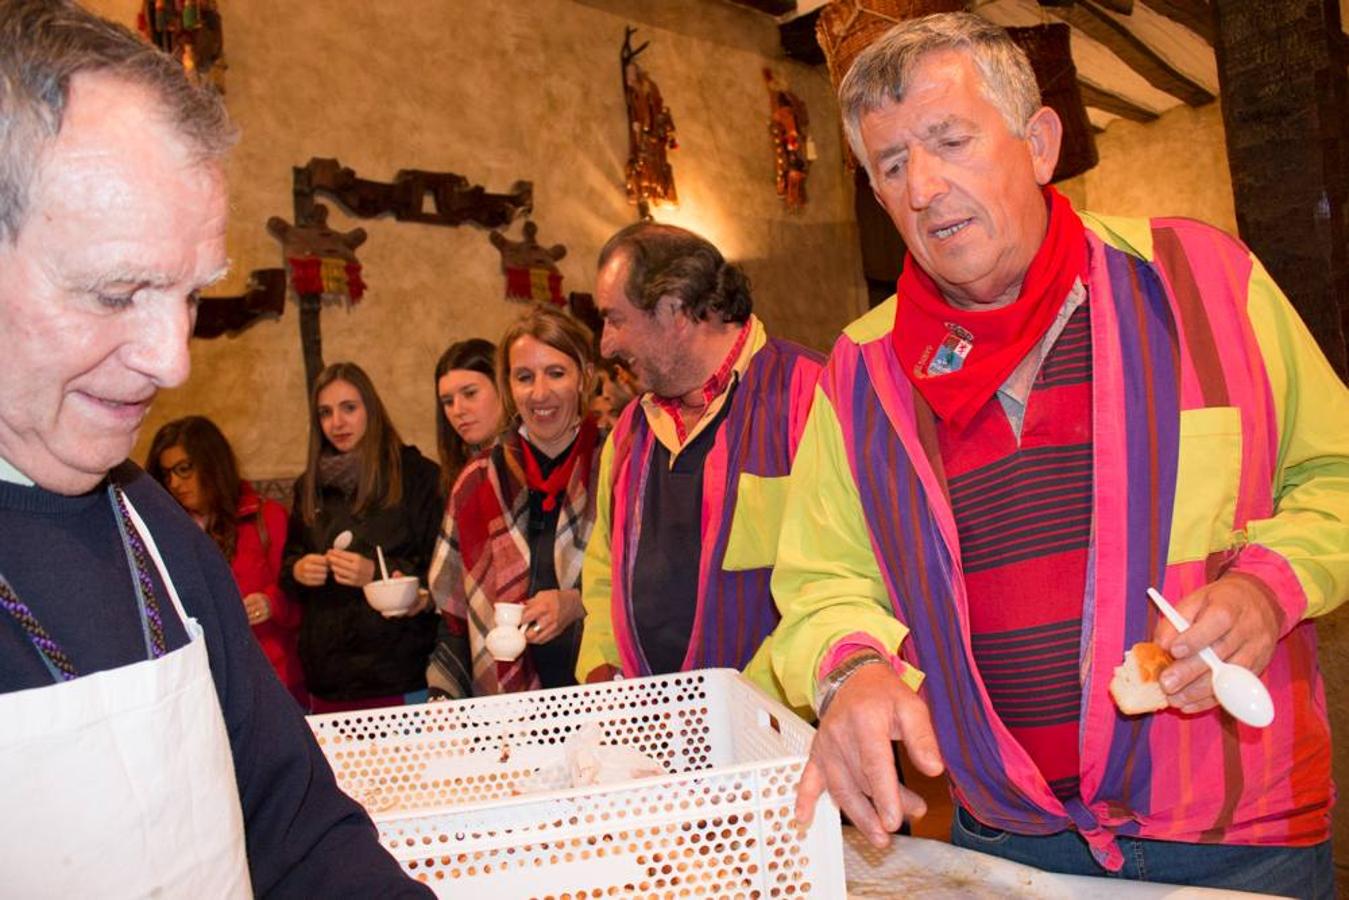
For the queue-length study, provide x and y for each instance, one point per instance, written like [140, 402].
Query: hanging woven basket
[847, 27]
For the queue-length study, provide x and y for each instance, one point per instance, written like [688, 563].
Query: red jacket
[257, 567]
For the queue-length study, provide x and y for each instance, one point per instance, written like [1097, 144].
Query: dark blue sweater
[64, 558]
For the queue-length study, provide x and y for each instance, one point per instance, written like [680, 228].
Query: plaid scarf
[490, 553]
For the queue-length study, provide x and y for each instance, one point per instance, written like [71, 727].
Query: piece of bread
[1135, 686]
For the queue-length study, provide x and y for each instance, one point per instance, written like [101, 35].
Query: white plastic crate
[443, 780]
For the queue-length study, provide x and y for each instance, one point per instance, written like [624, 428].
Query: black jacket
[348, 650]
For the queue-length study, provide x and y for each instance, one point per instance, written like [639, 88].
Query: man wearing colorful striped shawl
[692, 479]
[1049, 418]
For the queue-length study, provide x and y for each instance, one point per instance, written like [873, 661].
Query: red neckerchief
[713, 387]
[555, 485]
[958, 358]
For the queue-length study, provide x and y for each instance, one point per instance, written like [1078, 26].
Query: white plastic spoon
[1238, 689]
[383, 569]
[342, 541]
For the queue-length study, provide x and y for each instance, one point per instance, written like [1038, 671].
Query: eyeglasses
[184, 469]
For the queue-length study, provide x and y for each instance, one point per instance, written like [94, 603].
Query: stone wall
[497, 91]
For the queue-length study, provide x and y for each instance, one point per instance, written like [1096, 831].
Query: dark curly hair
[668, 261]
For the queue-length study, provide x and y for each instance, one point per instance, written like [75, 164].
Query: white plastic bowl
[393, 596]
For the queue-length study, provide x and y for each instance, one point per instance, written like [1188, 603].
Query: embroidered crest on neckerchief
[952, 352]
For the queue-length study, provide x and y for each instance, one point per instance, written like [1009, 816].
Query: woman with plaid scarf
[518, 519]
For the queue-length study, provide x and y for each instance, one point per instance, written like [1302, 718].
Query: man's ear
[675, 316]
[1044, 136]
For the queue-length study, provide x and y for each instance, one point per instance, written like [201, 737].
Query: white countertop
[917, 867]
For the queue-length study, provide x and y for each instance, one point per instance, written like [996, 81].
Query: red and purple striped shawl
[758, 436]
[1156, 335]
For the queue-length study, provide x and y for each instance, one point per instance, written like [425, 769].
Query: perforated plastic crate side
[713, 834]
[484, 749]
[478, 829]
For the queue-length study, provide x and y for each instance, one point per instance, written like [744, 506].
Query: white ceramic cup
[507, 641]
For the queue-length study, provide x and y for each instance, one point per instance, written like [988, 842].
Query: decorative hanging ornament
[530, 268]
[792, 148]
[322, 262]
[651, 135]
[191, 32]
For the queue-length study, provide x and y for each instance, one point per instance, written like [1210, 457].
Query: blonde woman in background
[519, 518]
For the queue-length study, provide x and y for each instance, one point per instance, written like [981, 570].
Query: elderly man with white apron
[146, 746]
[127, 772]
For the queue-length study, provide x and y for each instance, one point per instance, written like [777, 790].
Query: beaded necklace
[152, 622]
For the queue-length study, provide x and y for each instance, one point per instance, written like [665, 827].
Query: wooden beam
[772, 7]
[1285, 102]
[799, 41]
[1196, 15]
[1113, 103]
[1104, 28]
[1123, 7]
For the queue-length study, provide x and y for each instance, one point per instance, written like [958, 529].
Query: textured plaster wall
[1175, 166]
[496, 91]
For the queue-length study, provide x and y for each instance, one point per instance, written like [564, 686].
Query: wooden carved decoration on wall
[789, 124]
[191, 32]
[530, 268]
[264, 297]
[454, 201]
[651, 135]
[322, 262]
[323, 266]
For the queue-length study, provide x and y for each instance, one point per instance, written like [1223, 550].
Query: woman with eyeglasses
[195, 463]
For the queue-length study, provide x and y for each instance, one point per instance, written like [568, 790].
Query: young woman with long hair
[471, 415]
[362, 489]
[518, 520]
[195, 463]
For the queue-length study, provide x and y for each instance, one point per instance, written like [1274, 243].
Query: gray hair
[879, 73]
[43, 44]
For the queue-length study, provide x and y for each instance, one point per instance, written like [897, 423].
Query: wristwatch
[829, 685]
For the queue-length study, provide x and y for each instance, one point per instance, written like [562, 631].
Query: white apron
[121, 783]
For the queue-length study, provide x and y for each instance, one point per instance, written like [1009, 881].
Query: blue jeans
[1305, 872]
